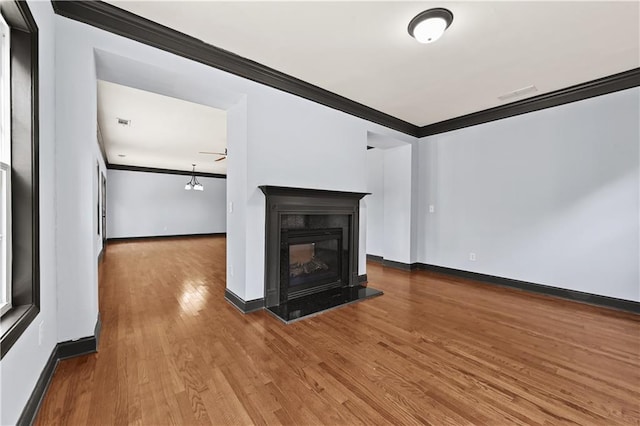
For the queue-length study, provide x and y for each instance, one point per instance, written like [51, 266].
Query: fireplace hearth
[311, 251]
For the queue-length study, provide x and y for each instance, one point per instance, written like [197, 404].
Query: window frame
[24, 165]
[5, 165]
[5, 239]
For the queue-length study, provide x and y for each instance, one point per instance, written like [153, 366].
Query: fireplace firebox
[311, 250]
[311, 261]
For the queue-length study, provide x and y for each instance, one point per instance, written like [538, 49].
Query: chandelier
[193, 183]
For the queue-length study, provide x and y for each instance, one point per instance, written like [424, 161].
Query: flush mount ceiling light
[193, 183]
[428, 26]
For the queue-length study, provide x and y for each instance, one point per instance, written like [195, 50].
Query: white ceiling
[361, 50]
[165, 132]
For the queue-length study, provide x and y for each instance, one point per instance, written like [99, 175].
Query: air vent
[124, 122]
[518, 93]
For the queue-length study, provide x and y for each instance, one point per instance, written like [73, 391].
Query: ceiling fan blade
[213, 153]
[221, 158]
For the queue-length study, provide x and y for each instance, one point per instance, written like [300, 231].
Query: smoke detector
[518, 93]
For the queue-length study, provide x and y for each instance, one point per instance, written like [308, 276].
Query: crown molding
[127, 168]
[590, 89]
[118, 21]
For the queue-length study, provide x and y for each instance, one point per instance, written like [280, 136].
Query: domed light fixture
[428, 26]
[193, 183]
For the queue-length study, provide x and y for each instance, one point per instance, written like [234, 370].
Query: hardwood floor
[433, 350]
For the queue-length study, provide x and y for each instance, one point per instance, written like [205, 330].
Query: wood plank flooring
[433, 350]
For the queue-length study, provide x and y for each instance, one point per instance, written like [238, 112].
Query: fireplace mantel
[286, 204]
[269, 190]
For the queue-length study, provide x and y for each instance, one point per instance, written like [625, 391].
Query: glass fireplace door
[311, 260]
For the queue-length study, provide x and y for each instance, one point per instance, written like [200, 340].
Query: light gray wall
[375, 202]
[549, 197]
[397, 204]
[362, 238]
[274, 138]
[141, 204]
[21, 366]
[293, 142]
[392, 180]
[75, 169]
[236, 196]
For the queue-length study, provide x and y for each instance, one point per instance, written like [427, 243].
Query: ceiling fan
[223, 154]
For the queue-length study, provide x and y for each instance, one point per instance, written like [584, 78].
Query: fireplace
[311, 250]
[311, 261]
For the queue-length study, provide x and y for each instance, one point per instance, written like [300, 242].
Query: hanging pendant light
[193, 183]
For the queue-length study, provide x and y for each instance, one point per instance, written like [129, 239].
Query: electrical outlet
[432, 208]
[40, 333]
[472, 257]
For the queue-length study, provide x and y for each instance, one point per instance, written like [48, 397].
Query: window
[5, 169]
[19, 208]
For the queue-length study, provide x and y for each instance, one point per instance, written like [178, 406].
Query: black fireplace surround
[311, 250]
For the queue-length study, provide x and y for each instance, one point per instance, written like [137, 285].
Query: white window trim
[5, 239]
[5, 82]
[5, 166]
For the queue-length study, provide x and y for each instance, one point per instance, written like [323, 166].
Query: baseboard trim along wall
[241, 305]
[62, 350]
[399, 265]
[125, 239]
[391, 263]
[574, 295]
[30, 410]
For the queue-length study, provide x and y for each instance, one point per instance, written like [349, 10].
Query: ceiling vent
[518, 93]
[124, 122]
